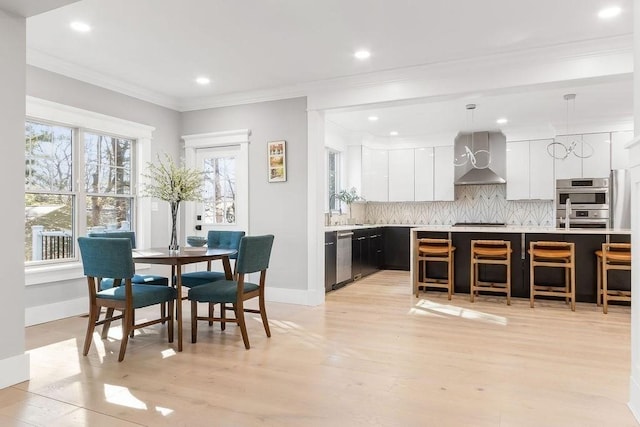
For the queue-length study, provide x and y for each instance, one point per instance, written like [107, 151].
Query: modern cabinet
[330, 255]
[619, 154]
[375, 174]
[433, 175]
[588, 156]
[397, 241]
[424, 176]
[444, 173]
[401, 175]
[530, 170]
[366, 252]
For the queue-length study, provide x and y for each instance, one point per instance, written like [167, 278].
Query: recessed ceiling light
[393, 133]
[502, 121]
[203, 80]
[362, 54]
[80, 27]
[373, 118]
[609, 12]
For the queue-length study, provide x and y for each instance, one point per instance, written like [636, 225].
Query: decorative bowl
[196, 240]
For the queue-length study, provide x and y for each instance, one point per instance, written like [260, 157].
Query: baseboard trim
[634, 398]
[14, 370]
[293, 296]
[58, 310]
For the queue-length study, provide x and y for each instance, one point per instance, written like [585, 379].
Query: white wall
[275, 208]
[14, 363]
[65, 298]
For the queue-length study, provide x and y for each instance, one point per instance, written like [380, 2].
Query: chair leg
[242, 324]
[472, 280]
[223, 316]
[453, 275]
[170, 323]
[263, 314]
[531, 283]
[107, 323]
[163, 311]
[211, 306]
[599, 281]
[133, 322]
[127, 324]
[508, 281]
[194, 322]
[94, 312]
[605, 291]
[573, 287]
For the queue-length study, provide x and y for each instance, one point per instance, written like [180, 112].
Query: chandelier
[562, 150]
[479, 159]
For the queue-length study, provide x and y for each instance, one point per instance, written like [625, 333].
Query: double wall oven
[589, 202]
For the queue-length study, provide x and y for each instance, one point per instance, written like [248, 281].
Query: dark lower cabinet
[330, 254]
[396, 243]
[366, 252]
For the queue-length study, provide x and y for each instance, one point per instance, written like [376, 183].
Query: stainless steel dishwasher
[343, 257]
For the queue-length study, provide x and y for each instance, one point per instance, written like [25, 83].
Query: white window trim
[238, 138]
[42, 109]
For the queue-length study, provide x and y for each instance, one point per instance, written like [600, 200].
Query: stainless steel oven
[589, 202]
[592, 193]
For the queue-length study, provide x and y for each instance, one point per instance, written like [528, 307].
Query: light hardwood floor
[373, 355]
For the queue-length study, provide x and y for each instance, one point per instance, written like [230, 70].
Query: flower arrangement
[174, 184]
[348, 197]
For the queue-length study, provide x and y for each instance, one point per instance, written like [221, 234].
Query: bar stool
[613, 256]
[558, 255]
[490, 252]
[435, 250]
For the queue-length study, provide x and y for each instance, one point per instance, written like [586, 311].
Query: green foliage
[349, 197]
[172, 183]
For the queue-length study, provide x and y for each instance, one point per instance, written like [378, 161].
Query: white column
[14, 363]
[315, 207]
[634, 165]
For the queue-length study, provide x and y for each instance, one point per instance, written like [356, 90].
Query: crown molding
[553, 54]
[51, 63]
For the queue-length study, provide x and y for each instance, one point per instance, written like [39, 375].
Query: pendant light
[562, 150]
[479, 159]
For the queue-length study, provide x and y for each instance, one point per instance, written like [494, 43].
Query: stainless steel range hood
[488, 150]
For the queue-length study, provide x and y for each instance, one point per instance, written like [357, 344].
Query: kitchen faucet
[331, 198]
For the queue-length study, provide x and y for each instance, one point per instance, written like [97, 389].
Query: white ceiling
[154, 49]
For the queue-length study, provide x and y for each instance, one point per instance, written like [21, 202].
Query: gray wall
[275, 208]
[12, 105]
[166, 138]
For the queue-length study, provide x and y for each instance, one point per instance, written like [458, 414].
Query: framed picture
[277, 161]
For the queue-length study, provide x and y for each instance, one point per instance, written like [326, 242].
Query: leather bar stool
[490, 252]
[555, 255]
[435, 251]
[613, 256]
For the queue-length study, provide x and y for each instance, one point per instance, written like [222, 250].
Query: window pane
[48, 227]
[107, 164]
[219, 190]
[332, 173]
[48, 157]
[112, 213]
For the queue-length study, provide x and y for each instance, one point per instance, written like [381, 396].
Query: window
[54, 203]
[219, 190]
[333, 175]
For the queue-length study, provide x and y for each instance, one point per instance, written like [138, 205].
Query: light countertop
[480, 229]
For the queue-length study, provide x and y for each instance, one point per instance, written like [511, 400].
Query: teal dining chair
[215, 239]
[254, 253]
[112, 258]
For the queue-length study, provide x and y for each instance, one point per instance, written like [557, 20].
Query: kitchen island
[587, 241]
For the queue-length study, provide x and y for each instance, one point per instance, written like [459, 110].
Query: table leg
[227, 268]
[179, 304]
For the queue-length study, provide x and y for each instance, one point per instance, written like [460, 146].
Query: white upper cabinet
[620, 155]
[518, 170]
[443, 173]
[401, 175]
[567, 164]
[530, 170]
[375, 175]
[424, 174]
[598, 164]
[542, 183]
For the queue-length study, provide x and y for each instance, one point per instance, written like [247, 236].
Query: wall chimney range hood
[480, 158]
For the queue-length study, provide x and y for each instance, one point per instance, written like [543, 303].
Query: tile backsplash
[473, 203]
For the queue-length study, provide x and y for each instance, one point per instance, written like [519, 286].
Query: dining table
[176, 259]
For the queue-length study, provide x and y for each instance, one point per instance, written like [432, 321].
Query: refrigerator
[620, 199]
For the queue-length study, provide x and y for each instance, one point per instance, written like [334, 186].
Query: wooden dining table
[176, 259]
